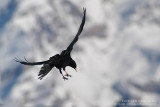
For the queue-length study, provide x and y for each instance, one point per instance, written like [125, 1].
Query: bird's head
[73, 65]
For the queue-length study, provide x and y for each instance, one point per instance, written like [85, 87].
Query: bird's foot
[65, 78]
[68, 75]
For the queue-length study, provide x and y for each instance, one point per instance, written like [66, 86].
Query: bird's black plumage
[60, 61]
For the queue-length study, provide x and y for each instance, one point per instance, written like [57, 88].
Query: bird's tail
[45, 69]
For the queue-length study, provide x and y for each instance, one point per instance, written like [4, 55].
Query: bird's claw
[68, 75]
[65, 78]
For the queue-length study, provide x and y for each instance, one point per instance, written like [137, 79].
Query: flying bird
[60, 61]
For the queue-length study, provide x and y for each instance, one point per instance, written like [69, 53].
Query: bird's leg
[63, 76]
[67, 74]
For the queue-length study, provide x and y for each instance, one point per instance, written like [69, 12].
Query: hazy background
[118, 53]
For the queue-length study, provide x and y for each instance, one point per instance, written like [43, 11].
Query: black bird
[60, 61]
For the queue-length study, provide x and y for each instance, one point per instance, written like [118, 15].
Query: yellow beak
[76, 69]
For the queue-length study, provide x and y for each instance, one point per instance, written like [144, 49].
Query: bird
[60, 61]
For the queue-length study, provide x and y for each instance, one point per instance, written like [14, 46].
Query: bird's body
[60, 61]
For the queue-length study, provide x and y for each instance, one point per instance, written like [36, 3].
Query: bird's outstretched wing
[29, 63]
[47, 65]
[70, 47]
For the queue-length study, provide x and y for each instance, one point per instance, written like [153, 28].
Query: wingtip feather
[84, 9]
